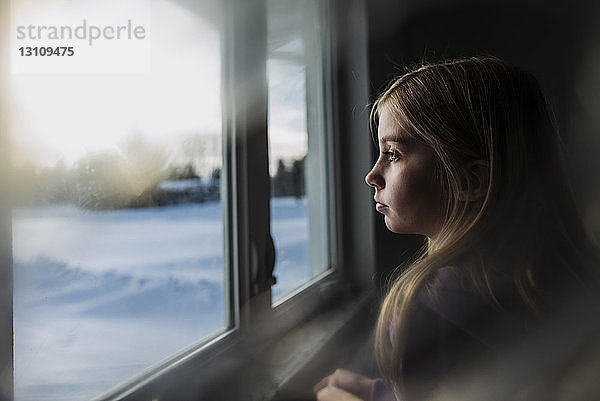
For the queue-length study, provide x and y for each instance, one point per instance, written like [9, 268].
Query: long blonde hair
[525, 229]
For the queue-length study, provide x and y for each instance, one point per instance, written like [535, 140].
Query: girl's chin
[393, 227]
[399, 229]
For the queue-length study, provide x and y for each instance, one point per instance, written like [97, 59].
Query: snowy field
[101, 296]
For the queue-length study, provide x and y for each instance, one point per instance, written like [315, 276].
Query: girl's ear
[474, 184]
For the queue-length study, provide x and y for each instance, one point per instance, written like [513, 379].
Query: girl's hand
[344, 385]
[331, 393]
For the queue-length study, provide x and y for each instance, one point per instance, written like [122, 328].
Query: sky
[164, 88]
[66, 115]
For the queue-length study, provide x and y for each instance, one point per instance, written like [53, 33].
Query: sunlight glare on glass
[66, 116]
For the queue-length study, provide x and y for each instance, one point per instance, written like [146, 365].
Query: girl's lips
[380, 207]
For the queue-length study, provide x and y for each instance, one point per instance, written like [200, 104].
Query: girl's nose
[374, 179]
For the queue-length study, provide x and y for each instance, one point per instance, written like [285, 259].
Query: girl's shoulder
[455, 301]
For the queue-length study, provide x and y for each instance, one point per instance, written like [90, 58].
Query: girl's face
[407, 191]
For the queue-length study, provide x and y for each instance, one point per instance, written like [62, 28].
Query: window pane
[117, 230]
[297, 143]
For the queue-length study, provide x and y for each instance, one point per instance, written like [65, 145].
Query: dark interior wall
[543, 37]
[557, 41]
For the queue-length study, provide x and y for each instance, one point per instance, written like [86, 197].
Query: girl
[470, 158]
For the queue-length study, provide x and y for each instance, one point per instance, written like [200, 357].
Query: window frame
[257, 313]
[318, 287]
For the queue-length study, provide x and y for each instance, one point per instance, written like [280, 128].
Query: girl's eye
[392, 155]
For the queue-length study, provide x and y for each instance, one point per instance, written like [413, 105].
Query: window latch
[264, 275]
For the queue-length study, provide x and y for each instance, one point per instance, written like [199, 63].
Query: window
[118, 242]
[297, 143]
[142, 218]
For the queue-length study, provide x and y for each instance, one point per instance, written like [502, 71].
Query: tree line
[112, 180]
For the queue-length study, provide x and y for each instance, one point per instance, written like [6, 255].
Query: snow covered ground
[101, 296]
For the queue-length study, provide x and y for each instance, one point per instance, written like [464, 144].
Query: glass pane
[117, 230]
[296, 143]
